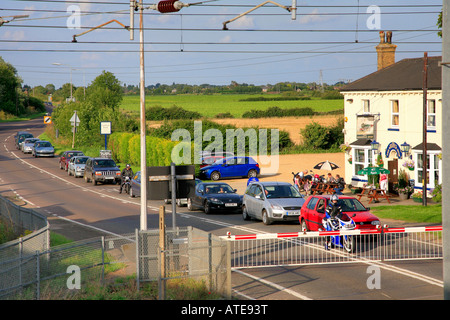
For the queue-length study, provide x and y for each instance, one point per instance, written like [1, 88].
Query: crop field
[211, 105]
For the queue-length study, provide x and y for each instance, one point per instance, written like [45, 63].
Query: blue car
[230, 167]
[42, 149]
[135, 190]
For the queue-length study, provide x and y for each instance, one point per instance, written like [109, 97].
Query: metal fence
[303, 248]
[23, 220]
[188, 253]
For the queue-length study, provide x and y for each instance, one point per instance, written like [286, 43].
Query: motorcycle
[127, 184]
[344, 223]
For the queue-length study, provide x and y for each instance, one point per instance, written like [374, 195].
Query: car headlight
[216, 201]
[375, 222]
[276, 207]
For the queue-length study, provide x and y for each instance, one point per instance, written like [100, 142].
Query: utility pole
[425, 125]
[446, 145]
[143, 216]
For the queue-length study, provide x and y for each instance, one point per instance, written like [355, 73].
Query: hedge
[126, 148]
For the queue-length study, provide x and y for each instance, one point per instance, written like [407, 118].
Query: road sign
[75, 121]
[47, 119]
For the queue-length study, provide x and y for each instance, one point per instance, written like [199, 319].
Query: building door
[393, 175]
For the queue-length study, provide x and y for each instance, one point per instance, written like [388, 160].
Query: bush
[318, 137]
[278, 112]
[159, 113]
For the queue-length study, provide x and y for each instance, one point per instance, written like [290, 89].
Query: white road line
[274, 285]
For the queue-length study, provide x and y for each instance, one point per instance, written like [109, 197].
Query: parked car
[230, 167]
[27, 145]
[64, 158]
[211, 196]
[272, 201]
[209, 160]
[77, 165]
[135, 190]
[313, 211]
[20, 137]
[42, 148]
[101, 170]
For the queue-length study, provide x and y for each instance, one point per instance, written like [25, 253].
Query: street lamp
[70, 67]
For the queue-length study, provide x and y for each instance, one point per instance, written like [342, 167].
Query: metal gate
[303, 248]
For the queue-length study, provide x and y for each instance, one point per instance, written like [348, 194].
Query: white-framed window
[395, 114]
[366, 106]
[434, 169]
[431, 114]
[362, 157]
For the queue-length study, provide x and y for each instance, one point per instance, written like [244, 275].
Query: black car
[101, 170]
[211, 196]
[20, 137]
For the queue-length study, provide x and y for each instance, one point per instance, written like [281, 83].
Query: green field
[211, 105]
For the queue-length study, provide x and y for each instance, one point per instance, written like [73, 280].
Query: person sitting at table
[330, 178]
[340, 184]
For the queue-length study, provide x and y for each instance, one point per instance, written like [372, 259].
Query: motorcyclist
[126, 172]
[332, 211]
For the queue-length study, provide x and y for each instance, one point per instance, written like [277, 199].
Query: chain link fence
[188, 253]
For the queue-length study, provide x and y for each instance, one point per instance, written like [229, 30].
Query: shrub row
[159, 113]
[285, 98]
[126, 148]
[278, 112]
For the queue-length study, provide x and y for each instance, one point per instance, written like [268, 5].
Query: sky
[329, 40]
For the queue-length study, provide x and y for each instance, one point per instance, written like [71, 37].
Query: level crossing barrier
[306, 248]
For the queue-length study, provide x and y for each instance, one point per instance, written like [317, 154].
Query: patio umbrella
[373, 171]
[326, 165]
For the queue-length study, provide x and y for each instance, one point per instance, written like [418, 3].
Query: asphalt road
[81, 210]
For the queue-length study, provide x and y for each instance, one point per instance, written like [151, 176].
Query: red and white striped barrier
[266, 236]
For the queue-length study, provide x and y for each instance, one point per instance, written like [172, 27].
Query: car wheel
[207, 207]
[189, 205]
[245, 215]
[252, 173]
[304, 226]
[265, 218]
[215, 176]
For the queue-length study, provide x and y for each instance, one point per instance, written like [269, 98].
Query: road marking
[274, 285]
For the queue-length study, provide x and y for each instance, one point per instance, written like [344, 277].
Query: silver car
[27, 145]
[272, 201]
[76, 166]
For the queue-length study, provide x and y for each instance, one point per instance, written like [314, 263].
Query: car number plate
[293, 213]
[230, 204]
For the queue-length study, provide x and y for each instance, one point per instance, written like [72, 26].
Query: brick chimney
[385, 50]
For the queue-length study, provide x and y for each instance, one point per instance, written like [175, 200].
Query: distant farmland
[211, 105]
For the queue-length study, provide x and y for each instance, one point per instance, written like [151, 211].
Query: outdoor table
[377, 194]
[364, 192]
[320, 187]
[329, 187]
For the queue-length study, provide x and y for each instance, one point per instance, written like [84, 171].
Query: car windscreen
[222, 188]
[81, 160]
[351, 205]
[31, 141]
[281, 191]
[43, 144]
[104, 163]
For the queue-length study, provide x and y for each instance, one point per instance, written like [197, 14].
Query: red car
[209, 160]
[313, 211]
[65, 158]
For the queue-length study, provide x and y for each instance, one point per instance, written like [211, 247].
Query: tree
[9, 83]
[105, 91]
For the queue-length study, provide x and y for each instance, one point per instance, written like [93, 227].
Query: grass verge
[432, 213]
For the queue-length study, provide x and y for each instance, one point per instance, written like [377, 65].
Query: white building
[387, 107]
